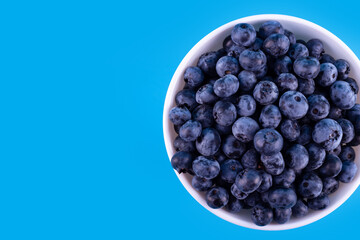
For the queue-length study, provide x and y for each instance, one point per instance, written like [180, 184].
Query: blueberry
[177, 128]
[190, 130]
[330, 185]
[182, 145]
[182, 162]
[186, 98]
[282, 64]
[347, 154]
[253, 199]
[205, 167]
[252, 60]
[261, 72]
[219, 156]
[335, 151]
[335, 112]
[232, 147]
[331, 167]
[206, 94]
[353, 84]
[243, 34]
[342, 95]
[257, 45]
[268, 141]
[270, 116]
[310, 185]
[221, 52]
[286, 82]
[355, 142]
[265, 92]
[276, 44]
[234, 205]
[201, 184]
[266, 182]
[282, 216]
[224, 113]
[316, 156]
[207, 63]
[327, 133]
[343, 68]
[307, 67]
[300, 209]
[227, 65]
[261, 215]
[319, 203]
[217, 197]
[244, 129]
[209, 142]
[246, 106]
[270, 27]
[235, 51]
[305, 135]
[235, 191]
[306, 86]
[298, 50]
[247, 80]
[348, 130]
[348, 171]
[297, 157]
[223, 130]
[228, 43]
[291, 36]
[248, 180]
[265, 197]
[326, 58]
[327, 75]
[293, 105]
[226, 86]
[250, 159]
[286, 178]
[316, 48]
[282, 198]
[203, 114]
[319, 107]
[274, 164]
[193, 76]
[354, 113]
[229, 170]
[290, 130]
[179, 115]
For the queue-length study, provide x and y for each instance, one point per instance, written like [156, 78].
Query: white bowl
[303, 30]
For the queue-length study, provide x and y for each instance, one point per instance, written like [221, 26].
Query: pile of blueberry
[267, 122]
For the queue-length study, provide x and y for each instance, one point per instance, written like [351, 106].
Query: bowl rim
[166, 123]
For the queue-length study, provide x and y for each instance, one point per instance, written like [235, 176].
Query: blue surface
[82, 91]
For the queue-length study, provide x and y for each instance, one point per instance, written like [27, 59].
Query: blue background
[82, 91]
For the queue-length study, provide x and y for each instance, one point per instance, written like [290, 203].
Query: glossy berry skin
[326, 58]
[335, 151]
[204, 115]
[235, 51]
[270, 27]
[247, 80]
[300, 209]
[342, 95]
[217, 197]
[307, 67]
[226, 86]
[274, 164]
[208, 142]
[261, 72]
[190, 130]
[201, 184]
[291, 36]
[234, 205]
[205, 167]
[244, 129]
[266, 182]
[343, 68]
[232, 147]
[193, 76]
[268, 141]
[246, 106]
[282, 216]
[206, 95]
[286, 82]
[229, 170]
[182, 162]
[282, 64]
[317, 156]
[285, 179]
[353, 84]
[182, 145]
[335, 112]
[306, 86]
[250, 159]
[227, 65]
[257, 45]
[228, 43]
[186, 98]
[305, 135]
[293, 105]
[265, 92]
[253, 199]
[297, 157]
[310, 185]
[348, 130]
[290, 130]
[319, 203]
[276, 44]
[261, 215]
[270, 116]
[316, 48]
[331, 167]
[327, 75]
[330, 185]
[252, 60]
[179, 115]
[235, 191]
[243, 34]
[354, 113]
[248, 180]
[207, 63]
[319, 107]
[282, 198]
[348, 171]
[347, 154]
[298, 50]
[327, 133]
[224, 113]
